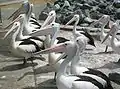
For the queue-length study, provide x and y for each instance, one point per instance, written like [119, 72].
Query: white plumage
[73, 81]
[115, 44]
[103, 21]
[22, 48]
[75, 32]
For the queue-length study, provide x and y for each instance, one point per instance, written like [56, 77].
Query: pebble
[2, 77]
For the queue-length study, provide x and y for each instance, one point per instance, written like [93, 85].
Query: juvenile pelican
[103, 21]
[73, 81]
[115, 44]
[22, 48]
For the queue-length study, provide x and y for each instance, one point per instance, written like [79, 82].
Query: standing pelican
[103, 21]
[73, 81]
[23, 48]
[115, 44]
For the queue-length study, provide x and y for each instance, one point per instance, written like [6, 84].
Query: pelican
[22, 48]
[38, 40]
[80, 33]
[51, 29]
[75, 32]
[54, 56]
[114, 43]
[25, 7]
[31, 24]
[27, 27]
[103, 21]
[86, 80]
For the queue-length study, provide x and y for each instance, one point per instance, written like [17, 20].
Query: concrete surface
[13, 75]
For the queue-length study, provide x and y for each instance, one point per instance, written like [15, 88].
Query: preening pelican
[115, 44]
[86, 80]
[103, 21]
[23, 48]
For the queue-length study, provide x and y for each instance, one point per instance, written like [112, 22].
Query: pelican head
[75, 18]
[19, 18]
[103, 20]
[51, 29]
[25, 7]
[51, 18]
[66, 47]
[13, 29]
[113, 29]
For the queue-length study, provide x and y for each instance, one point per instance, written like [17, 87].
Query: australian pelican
[31, 23]
[83, 33]
[75, 32]
[115, 44]
[87, 80]
[103, 21]
[22, 48]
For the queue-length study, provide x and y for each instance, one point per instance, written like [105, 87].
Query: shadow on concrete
[111, 65]
[20, 59]
[16, 67]
[40, 70]
[115, 77]
[49, 84]
[12, 60]
[109, 52]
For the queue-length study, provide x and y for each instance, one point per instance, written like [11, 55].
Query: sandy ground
[13, 75]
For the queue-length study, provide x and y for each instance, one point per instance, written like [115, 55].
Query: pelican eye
[52, 24]
[66, 44]
[77, 40]
[16, 24]
[51, 13]
[20, 16]
[76, 16]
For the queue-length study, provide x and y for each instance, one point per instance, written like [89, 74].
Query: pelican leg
[24, 61]
[34, 71]
[42, 58]
[55, 76]
[118, 61]
[106, 48]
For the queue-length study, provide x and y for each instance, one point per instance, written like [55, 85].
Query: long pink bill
[17, 19]
[112, 30]
[13, 27]
[16, 13]
[42, 31]
[55, 48]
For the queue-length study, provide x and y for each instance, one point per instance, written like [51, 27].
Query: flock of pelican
[30, 38]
